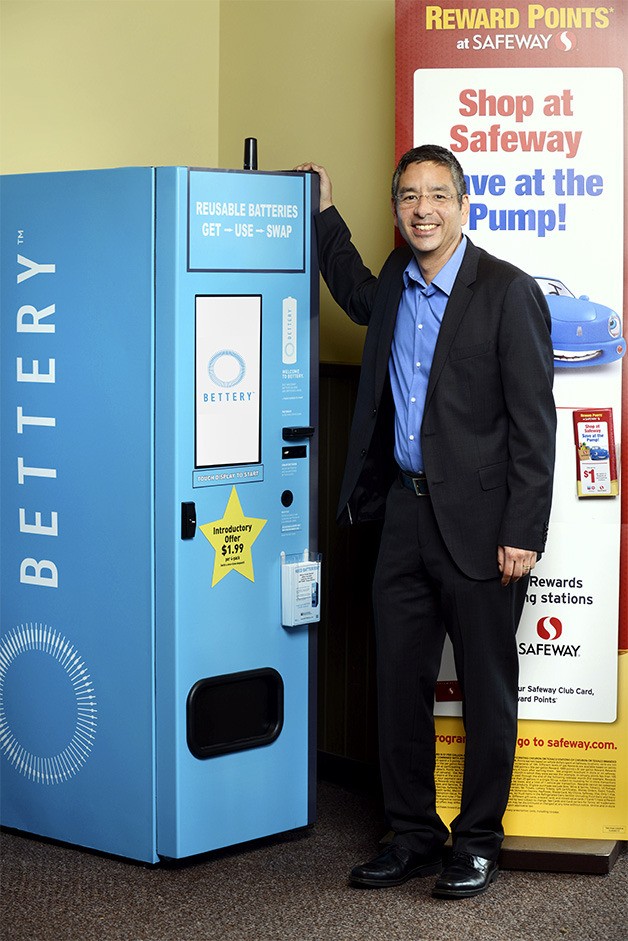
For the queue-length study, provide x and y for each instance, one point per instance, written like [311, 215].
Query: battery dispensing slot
[234, 712]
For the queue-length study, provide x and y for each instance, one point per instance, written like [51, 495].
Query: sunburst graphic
[49, 769]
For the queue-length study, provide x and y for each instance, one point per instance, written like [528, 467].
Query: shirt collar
[445, 278]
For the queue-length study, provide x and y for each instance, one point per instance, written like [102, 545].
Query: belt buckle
[416, 481]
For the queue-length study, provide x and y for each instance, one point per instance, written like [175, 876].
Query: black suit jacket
[489, 424]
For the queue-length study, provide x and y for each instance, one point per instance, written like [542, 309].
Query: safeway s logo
[549, 628]
[565, 41]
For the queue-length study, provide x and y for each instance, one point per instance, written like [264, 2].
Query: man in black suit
[453, 434]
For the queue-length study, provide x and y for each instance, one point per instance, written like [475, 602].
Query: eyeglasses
[436, 200]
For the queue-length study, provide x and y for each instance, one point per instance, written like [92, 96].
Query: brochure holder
[300, 588]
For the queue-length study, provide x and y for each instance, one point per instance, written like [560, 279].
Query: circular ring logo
[226, 368]
[549, 628]
[51, 769]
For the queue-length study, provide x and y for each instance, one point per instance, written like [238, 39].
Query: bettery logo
[226, 368]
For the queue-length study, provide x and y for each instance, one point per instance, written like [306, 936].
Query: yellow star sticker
[232, 537]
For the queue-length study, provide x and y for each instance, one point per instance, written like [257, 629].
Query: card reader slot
[295, 433]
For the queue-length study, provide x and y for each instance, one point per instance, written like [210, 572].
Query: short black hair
[435, 154]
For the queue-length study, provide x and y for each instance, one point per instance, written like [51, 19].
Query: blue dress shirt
[419, 317]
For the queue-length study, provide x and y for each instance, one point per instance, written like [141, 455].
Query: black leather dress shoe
[395, 865]
[465, 875]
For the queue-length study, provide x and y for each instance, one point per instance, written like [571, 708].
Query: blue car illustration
[598, 454]
[583, 333]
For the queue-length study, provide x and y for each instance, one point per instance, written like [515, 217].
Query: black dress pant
[419, 595]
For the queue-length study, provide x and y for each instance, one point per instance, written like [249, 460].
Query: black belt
[417, 483]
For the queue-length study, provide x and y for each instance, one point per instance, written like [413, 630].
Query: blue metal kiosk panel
[77, 633]
[219, 619]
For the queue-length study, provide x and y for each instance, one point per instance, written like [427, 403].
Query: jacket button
[363, 452]
[374, 411]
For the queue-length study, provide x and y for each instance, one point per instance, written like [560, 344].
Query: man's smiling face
[431, 227]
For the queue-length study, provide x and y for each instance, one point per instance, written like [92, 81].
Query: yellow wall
[99, 83]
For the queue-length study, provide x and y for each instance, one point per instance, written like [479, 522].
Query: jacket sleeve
[350, 282]
[527, 369]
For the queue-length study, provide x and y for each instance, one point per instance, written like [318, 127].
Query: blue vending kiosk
[159, 399]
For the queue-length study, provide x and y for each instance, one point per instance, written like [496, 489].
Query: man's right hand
[325, 183]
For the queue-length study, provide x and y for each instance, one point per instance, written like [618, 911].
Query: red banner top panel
[457, 34]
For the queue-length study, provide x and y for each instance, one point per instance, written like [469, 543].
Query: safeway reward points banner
[530, 98]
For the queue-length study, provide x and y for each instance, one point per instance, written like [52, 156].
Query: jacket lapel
[455, 310]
